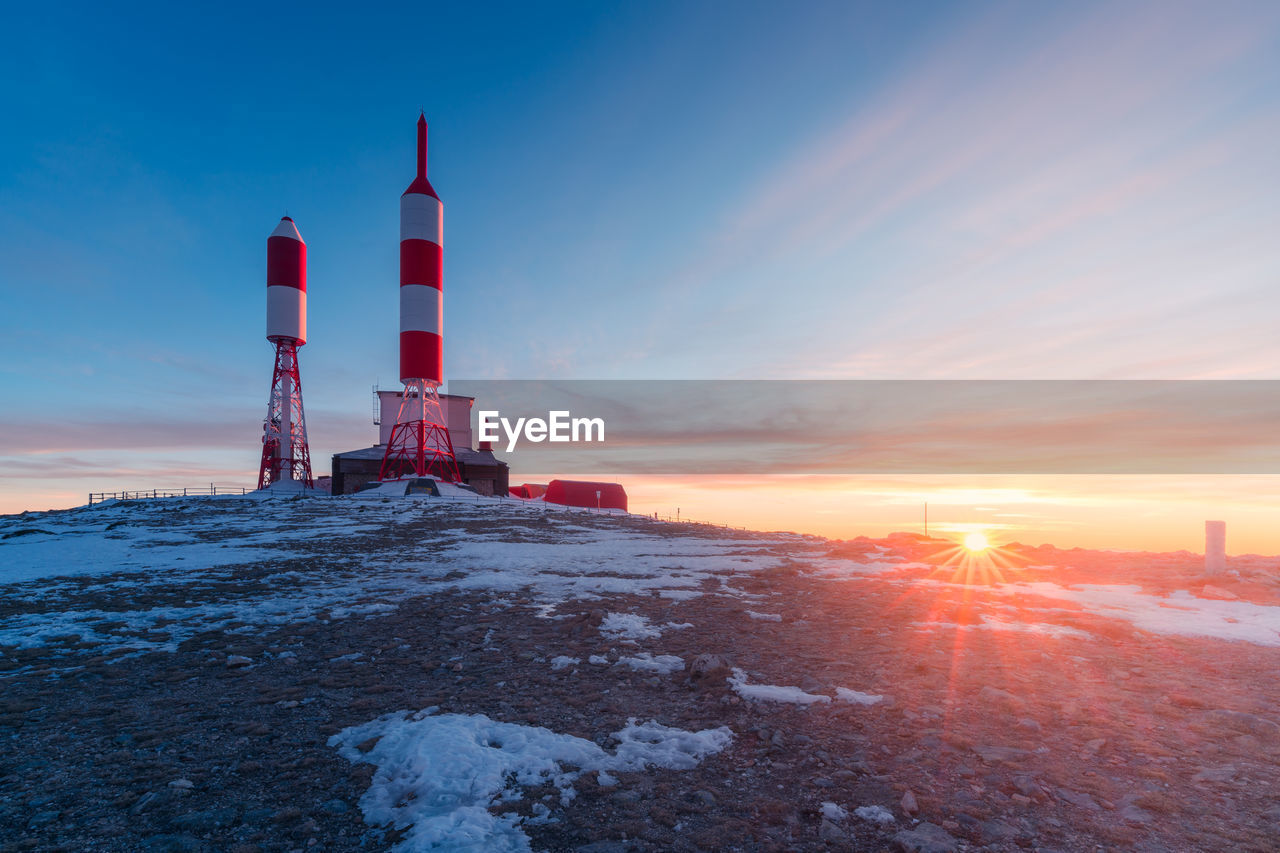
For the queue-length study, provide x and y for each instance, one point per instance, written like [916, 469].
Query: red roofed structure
[586, 493]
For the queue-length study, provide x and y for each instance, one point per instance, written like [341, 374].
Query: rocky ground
[1008, 721]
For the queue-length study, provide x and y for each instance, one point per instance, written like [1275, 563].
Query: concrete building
[1215, 547]
[478, 468]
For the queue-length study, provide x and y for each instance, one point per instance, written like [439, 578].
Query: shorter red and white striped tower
[419, 445]
[285, 455]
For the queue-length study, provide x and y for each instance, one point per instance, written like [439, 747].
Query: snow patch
[765, 617]
[990, 623]
[628, 626]
[874, 814]
[772, 692]
[1179, 614]
[645, 662]
[438, 776]
[857, 697]
[362, 610]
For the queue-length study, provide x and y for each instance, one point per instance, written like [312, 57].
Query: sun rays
[975, 558]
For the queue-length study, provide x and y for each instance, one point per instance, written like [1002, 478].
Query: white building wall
[457, 415]
[1215, 547]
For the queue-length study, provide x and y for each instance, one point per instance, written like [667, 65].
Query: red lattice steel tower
[285, 455]
[419, 445]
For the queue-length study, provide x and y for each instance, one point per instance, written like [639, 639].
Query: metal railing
[671, 519]
[679, 520]
[215, 489]
[211, 489]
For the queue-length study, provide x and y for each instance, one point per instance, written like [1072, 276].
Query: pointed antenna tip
[422, 146]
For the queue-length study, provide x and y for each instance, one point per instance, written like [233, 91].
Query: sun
[976, 542]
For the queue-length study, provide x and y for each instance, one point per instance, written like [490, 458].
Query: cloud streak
[1068, 198]
[933, 427]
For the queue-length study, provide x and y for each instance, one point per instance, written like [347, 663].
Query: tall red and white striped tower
[419, 445]
[285, 455]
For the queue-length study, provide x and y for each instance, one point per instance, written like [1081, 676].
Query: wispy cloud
[51, 437]
[1072, 196]
[935, 427]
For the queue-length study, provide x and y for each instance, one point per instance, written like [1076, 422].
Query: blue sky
[641, 190]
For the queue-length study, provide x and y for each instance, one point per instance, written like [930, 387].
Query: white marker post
[1215, 547]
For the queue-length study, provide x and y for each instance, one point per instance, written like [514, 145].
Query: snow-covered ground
[200, 541]
[125, 579]
[1180, 613]
[555, 556]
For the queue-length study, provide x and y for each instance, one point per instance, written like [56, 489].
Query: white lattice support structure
[285, 454]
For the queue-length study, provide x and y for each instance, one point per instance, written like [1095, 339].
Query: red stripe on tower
[422, 355]
[421, 275]
[421, 262]
[286, 256]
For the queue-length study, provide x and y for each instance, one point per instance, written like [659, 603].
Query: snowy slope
[127, 579]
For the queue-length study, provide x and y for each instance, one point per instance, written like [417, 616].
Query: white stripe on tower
[287, 313]
[421, 218]
[421, 309]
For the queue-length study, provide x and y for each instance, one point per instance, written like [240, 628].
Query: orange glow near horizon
[1128, 513]
[1141, 513]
